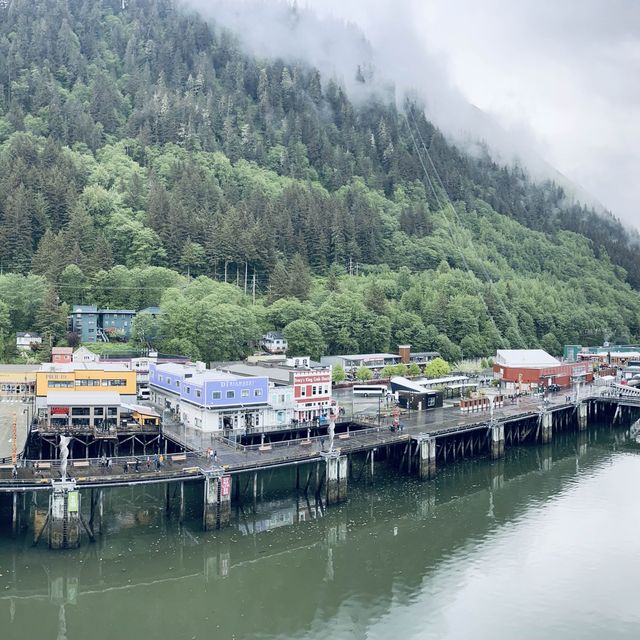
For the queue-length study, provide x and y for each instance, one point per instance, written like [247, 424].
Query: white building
[274, 342]
[82, 354]
[24, 340]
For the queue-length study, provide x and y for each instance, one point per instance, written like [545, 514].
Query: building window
[60, 383]
[231, 394]
[198, 393]
[98, 411]
[168, 380]
[257, 393]
[159, 378]
[314, 391]
[245, 393]
[188, 389]
[216, 395]
[303, 391]
[178, 383]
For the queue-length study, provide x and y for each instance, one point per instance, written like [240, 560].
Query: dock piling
[217, 501]
[337, 468]
[426, 457]
[64, 515]
[582, 416]
[497, 441]
[546, 422]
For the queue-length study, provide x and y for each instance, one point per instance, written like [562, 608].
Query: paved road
[22, 411]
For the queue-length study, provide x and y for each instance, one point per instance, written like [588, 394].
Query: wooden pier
[420, 448]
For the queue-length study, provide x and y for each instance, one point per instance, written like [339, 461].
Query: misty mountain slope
[140, 139]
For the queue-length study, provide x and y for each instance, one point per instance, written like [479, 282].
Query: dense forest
[146, 159]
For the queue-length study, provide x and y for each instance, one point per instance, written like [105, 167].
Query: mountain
[141, 146]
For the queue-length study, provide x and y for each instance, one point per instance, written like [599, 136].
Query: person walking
[156, 460]
[137, 465]
[215, 456]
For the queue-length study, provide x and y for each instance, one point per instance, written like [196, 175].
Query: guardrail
[73, 463]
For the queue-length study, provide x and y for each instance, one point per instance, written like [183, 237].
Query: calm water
[542, 545]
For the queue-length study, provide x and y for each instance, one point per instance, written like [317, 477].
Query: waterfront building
[527, 369]
[18, 380]
[92, 410]
[76, 377]
[310, 383]
[210, 400]
[352, 362]
[608, 354]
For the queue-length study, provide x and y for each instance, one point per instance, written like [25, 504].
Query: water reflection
[482, 542]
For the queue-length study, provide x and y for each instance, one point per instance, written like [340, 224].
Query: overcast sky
[559, 77]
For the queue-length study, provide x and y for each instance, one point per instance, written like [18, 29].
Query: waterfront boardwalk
[194, 462]
[10, 408]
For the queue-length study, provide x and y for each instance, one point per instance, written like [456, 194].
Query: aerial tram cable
[451, 227]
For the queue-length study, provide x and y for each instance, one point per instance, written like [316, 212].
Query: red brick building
[525, 369]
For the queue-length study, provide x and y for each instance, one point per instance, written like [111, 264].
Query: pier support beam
[217, 501]
[497, 441]
[337, 468]
[426, 457]
[546, 424]
[582, 416]
[64, 515]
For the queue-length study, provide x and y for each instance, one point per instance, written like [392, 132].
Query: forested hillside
[140, 148]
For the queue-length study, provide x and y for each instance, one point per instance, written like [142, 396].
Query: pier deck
[233, 459]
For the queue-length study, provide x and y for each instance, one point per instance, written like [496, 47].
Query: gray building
[101, 325]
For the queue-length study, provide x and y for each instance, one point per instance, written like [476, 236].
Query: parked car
[553, 388]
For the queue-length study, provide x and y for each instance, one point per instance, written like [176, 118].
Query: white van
[143, 393]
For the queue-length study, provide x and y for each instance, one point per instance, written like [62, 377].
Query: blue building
[101, 325]
[209, 400]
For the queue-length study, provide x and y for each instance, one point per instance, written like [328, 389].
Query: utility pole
[253, 286]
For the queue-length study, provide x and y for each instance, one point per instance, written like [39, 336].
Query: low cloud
[534, 80]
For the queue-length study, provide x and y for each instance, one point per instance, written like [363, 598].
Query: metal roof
[19, 368]
[53, 367]
[82, 398]
[276, 374]
[142, 409]
[193, 375]
[444, 380]
[527, 358]
[369, 356]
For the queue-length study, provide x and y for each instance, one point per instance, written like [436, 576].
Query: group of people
[212, 455]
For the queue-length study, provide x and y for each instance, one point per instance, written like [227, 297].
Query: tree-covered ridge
[140, 147]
